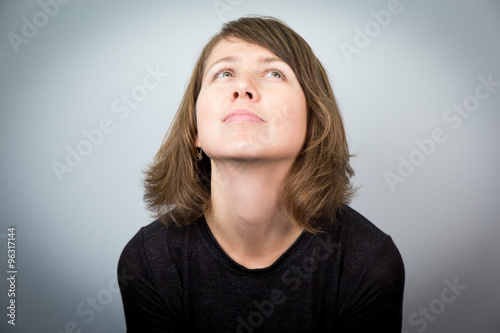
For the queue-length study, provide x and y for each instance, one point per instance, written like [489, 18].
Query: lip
[242, 116]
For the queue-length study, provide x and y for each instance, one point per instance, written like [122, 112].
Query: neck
[247, 216]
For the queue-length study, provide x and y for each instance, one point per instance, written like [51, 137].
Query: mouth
[242, 116]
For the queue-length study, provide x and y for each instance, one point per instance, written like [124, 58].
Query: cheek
[204, 113]
[208, 123]
[300, 113]
[297, 118]
[292, 116]
[287, 127]
[208, 105]
[204, 128]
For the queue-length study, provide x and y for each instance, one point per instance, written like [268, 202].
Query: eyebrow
[232, 59]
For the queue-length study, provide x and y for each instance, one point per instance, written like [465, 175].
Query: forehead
[236, 44]
[233, 49]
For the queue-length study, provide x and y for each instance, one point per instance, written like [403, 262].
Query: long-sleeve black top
[349, 278]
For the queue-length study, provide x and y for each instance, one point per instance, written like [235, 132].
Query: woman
[251, 187]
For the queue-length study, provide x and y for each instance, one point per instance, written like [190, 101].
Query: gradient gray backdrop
[67, 76]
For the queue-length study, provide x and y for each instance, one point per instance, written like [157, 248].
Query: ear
[196, 142]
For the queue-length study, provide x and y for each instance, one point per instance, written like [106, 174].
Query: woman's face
[250, 106]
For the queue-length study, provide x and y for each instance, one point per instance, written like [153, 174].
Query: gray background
[397, 89]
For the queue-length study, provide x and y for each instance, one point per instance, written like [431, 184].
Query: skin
[250, 155]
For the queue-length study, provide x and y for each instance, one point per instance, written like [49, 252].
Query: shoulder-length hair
[318, 183]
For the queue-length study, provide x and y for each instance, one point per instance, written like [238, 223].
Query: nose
[245, 88]
[236, 95]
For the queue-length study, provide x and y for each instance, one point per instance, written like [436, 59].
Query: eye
[276, 73]
[224, 72]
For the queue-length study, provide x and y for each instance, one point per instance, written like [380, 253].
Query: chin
[236, 154]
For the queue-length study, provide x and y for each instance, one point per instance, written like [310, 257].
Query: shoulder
[152, 260]
[153, 244]
[367, 256]
[353, 224]
[150, 279]
[364, 245]
[372, 268]
[352, 231]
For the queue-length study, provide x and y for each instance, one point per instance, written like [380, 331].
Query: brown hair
[318, 183]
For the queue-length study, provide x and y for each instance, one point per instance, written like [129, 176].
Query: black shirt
[349, 278]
